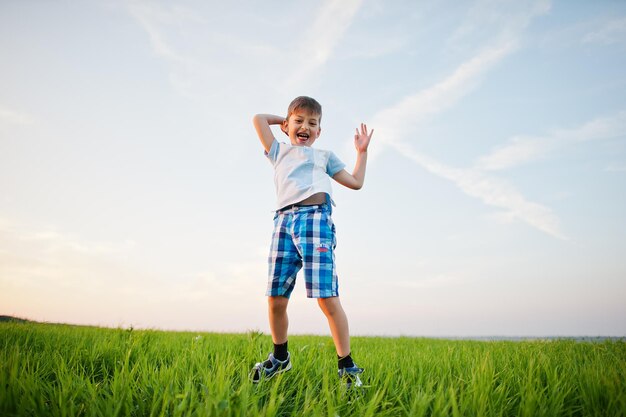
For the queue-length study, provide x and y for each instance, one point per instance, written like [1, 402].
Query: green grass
[58, 370]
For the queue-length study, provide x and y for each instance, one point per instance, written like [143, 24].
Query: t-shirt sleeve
[273, 153]
[334, 165]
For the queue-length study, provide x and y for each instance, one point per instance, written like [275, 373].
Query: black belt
[292, 206]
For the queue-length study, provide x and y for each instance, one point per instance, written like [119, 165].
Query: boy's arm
[356, 179]
[262, 124]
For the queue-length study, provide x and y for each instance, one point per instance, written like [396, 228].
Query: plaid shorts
[303, 237]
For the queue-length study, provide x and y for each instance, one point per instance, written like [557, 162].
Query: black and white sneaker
[269, 368]
[350, 376]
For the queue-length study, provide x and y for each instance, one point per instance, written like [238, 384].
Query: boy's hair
[305, 103]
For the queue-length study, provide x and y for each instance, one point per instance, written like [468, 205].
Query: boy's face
[302, 127]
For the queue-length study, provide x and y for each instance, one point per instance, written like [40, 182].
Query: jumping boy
[304, 233]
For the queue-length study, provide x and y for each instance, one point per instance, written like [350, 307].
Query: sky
[134, 190]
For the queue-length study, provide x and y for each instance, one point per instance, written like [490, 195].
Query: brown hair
[305, 103]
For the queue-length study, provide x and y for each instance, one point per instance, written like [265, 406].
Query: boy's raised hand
[362, 138]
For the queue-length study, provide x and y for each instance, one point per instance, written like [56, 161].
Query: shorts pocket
[326, 217]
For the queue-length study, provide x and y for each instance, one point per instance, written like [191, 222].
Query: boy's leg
[279, 321]
[278, 361]
[338, 323]
[284, 263]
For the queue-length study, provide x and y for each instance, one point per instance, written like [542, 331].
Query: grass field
[57, 370]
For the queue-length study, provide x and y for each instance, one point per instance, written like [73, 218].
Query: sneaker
[351, 376]
[269, 368]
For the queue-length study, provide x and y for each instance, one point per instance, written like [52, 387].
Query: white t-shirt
[301, 171]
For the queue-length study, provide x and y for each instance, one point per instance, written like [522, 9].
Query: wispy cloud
[523, 149]
[11, 117]
[436, 281]
[52, 240]
[193, 50]
[316, 45]
[377, 47]
[50, 259]
[491, 191]
[520, 149]
[397, 123]
[152, 17]
[500, 21]
[199, 54]
[615, 168]
[610, 32]
[503, 31]
[47, 274]
[159, 23]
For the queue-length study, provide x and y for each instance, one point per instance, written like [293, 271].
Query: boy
[304, 234]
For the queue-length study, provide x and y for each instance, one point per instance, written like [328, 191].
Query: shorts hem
[324, 295]
[277, 294]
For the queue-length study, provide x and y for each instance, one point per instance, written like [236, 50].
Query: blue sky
[134, 191]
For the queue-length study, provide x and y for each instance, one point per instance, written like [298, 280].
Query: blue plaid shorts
[303, 237]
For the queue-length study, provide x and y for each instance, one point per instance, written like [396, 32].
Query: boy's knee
[330, 306]
[278, 304]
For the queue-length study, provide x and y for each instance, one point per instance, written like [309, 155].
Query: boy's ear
[284, 126]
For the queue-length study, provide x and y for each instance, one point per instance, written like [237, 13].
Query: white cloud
[436, 281]
[199, 54]
[396, 124]
[316, 46]
[184, 40]
[10, 117]
[50, 275]
[497, 21]
[599, 128]
[491, 191]
[55, 259]
[376, 47]
[55, 241]
[151, 17]
[522, 149]
[615, 168]
[613, 31]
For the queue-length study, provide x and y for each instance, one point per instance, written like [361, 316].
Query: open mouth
[303, 136]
